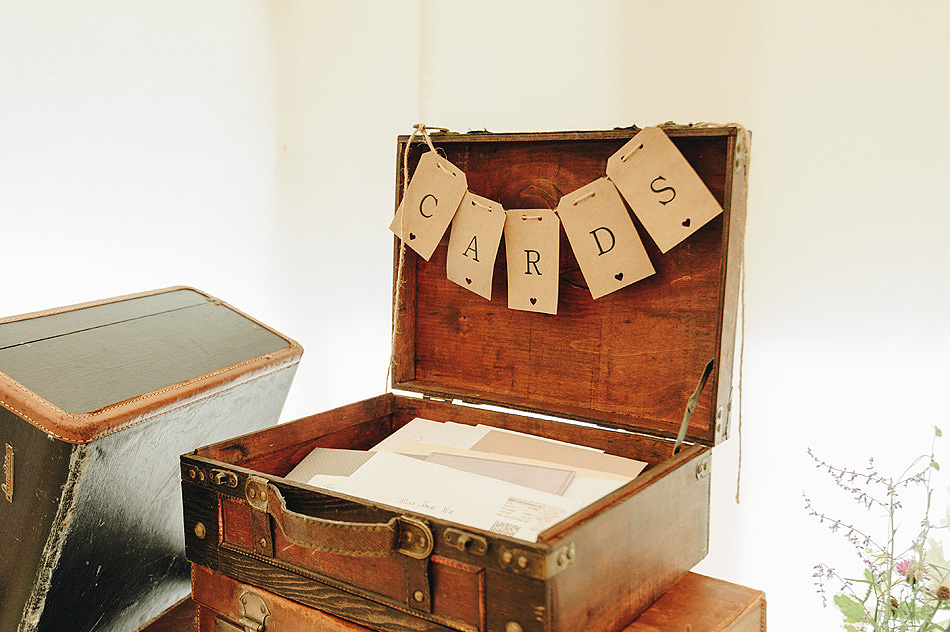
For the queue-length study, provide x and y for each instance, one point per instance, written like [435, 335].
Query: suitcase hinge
[433, 398]
[534, 564]
[255, 613]
[7, 485]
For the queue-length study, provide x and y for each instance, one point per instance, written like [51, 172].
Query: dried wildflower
[902, 589]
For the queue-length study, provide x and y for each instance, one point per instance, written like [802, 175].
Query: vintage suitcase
[98, 401]
[694, 604]
[625, 365]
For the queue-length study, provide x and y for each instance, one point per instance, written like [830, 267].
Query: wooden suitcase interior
[670, 537]
[627, 363]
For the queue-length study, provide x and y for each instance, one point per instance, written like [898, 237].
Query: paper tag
[473, 243]
[661, 187]
[532, 243]
[603, 237]
[433, 196]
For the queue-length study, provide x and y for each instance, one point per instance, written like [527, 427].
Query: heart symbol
[412, 236]
[619, 276]
[686, 222]
[533, 300]
[468, 280]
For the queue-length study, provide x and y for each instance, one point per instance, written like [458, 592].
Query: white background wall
[247, 147]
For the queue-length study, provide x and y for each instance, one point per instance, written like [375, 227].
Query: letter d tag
[473, 243]
[603, 237]
[532, 247]
[429, 203]
[661, 187]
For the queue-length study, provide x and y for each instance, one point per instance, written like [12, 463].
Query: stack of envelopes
[498, 480]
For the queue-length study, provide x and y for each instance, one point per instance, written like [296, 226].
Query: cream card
[411, 448]
[603, 237]
[532, 247]
[429, 203]
[567, 455]
[473, 243]
[661, 187]
[449, 494]
[421, 430]
[545, 479]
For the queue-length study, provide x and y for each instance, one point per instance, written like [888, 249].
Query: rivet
[200, 530]
[506, 557]
[422, 542]
[522, 561]
[243, 600]
[262, 543]
[719, 413]
[192, 474]
[570, 552]
[418, 596]
[252, 493]
[511, 626]
[561, 558]
[201, 475]
[409, 537]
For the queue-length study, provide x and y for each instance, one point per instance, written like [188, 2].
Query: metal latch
[224, 478]
[465, 542]
[255, 614]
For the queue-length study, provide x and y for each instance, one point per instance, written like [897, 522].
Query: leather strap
[402, 534]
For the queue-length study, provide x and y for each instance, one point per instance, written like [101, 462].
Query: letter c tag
[604, 240]
[429, 203]
[661, 187]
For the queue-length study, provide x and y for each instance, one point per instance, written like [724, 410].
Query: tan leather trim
[87, 427]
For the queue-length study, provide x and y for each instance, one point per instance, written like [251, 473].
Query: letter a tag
[532, 245]
[661, 187]
[473, 243]
[603, 237]
[429, 203]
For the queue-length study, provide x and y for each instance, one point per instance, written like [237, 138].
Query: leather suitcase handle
[402, 534]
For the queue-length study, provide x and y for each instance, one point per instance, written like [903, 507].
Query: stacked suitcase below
[695, 603]
[627, 364]
[98, 400]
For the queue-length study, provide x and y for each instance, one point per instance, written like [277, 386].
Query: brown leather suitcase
[694, 604]
[97, 401]
[626, 366]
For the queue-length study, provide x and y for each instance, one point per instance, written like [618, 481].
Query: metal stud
[512, 626]
[200, 530]
[419, 596]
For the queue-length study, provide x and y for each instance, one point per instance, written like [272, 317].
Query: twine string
[418, 128]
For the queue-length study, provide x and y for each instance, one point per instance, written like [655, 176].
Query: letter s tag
[532, 247]
[661, 187]
[429, 203]
[604, 240]
[473, 244]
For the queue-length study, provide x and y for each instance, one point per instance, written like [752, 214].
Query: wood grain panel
[630, 359]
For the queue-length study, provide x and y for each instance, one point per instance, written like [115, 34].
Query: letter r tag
[661, 187]
[603, 238]
[429, 203]
[532, 248]
[473, 243]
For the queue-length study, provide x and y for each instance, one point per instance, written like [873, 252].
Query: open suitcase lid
[630, 359]
[85, 371]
